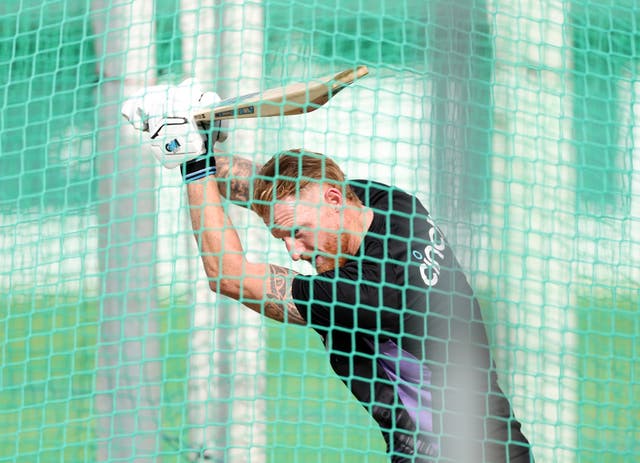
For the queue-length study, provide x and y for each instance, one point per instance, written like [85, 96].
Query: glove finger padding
[145, 102]
[173, 133]
[165, 112]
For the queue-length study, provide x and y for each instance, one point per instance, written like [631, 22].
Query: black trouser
[525, 457]
[408, 449]
[412, 448]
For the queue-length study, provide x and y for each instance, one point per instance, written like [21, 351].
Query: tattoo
[235, 177]
[279, 304]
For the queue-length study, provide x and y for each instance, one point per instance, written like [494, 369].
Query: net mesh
[513, 121]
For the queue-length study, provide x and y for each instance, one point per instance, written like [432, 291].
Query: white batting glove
[165, 113]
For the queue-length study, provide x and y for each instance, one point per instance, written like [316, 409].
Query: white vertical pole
[242, 43]
[222, 47]
[208, 396]
[242, 46]
[632, 226]
[533, 224]
[199, 26]
[127, 398]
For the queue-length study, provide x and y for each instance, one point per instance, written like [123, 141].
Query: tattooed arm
[262, 287]
[234, 178]
[279, 302]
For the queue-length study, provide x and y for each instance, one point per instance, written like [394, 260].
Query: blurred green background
[525, 122]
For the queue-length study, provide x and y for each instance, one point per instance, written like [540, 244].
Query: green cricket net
[514, 121]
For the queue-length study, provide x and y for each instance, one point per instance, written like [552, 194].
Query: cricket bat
[292, 99]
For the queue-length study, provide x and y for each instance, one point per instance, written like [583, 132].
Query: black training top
[405, 334]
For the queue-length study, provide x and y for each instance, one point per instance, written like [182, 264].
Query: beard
[333, 256]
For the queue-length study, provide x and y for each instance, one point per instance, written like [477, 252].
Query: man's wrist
[198, 168]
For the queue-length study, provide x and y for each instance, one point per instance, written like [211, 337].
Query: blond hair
[289, 172]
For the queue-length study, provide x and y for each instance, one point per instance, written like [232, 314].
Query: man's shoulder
[385, 198]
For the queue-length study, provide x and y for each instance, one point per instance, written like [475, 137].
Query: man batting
[397, 316]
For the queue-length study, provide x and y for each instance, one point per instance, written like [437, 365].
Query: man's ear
[333, 196]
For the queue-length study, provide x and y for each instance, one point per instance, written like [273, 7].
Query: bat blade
[292, 99]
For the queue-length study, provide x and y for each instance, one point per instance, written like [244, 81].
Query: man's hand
[165, 113]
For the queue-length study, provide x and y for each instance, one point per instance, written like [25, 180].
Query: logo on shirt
[431, 257]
